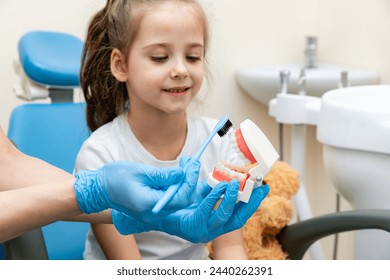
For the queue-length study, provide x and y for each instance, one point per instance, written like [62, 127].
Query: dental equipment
[47, 71]
[258, 155]
[48, 66]
[344, 82]
[284, 80]
[298, 110]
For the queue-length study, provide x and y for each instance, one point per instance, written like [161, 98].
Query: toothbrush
[222, 128]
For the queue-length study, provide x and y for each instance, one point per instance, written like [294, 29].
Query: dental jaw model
[258, 156]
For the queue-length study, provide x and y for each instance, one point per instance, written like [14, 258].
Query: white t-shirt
[116, 141]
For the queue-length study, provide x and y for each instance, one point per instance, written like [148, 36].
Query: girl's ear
[118, 65]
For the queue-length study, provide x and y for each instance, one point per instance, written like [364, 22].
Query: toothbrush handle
[170, 192]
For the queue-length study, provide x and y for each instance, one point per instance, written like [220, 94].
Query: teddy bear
[274, 213]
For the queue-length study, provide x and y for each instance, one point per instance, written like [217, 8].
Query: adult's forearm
[34, 193]
[24, 209]
[19, 170]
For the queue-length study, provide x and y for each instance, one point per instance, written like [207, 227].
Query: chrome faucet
[302, 82]
[344, 80]
[311, 52]
[284, 80]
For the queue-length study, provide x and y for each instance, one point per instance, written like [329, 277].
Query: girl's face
[166, 60]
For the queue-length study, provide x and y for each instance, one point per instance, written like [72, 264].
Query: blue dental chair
[53, 132]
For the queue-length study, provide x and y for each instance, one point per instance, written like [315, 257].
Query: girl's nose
[179, 70]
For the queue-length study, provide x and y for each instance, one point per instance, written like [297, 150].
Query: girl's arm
[114, 245]
[229, 246]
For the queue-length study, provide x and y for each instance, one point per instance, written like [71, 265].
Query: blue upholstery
[51, 58]
[54, 133]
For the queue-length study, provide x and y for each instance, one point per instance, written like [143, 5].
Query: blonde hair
[114, 26]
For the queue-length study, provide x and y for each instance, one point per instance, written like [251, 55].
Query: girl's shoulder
[106, 132]
[100, 145]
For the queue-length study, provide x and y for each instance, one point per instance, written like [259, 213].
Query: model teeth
[234, 144]
[231, 170]
[240, 172]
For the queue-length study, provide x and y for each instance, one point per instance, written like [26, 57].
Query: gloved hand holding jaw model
[199, 222]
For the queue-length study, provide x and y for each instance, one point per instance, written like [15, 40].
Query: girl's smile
[177, 91]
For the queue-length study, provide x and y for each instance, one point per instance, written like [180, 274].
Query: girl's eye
[159, 58]
[193, 58]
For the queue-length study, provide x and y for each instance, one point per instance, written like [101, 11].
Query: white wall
[244, 33]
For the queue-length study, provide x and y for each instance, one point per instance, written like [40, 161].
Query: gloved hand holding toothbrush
[134, 188]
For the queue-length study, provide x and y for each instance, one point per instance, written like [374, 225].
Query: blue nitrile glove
[133, 188]
[130, 224]
[205, 224]
[188, 188]
[199, 222]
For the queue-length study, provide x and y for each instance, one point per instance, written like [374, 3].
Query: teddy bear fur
[274, 213]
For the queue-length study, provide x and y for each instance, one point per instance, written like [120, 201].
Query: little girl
[143, 63]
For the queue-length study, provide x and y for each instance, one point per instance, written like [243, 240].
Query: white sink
[263, 83]
[354, 128]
